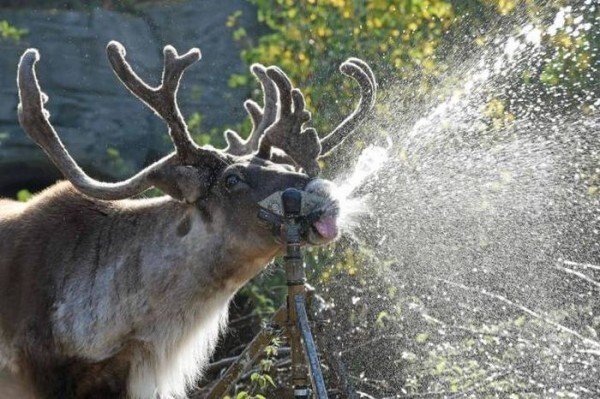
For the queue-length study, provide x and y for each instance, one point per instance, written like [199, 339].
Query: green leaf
[269, 379]
[113, 153]
[262, 381]
[271, 351]
[266, 364]
[239, 34]
[8, 31]
[242, 395]
[237, 80]
[422, 337]
[519, 321]
[440, 367]
[24, 195]
[381, 318]
[232, 20]
[453, 387]
[195, 122]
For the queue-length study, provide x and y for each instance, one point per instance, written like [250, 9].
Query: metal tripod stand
[292, 318]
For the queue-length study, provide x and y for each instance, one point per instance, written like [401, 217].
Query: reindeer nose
[320, 187]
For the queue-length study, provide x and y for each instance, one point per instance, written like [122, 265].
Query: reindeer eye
[232, 180]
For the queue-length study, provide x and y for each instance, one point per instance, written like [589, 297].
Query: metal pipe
[291, 200]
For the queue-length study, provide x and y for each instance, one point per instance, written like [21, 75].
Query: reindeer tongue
[327, 227]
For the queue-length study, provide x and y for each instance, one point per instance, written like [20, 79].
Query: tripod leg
[311, 350]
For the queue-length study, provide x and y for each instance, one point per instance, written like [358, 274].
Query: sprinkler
[288, 212]
[297, 327]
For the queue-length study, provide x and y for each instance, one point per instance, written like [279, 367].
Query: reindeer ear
[185, 183]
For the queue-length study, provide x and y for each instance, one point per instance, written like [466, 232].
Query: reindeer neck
[131, 264]
[216, 251]
[153, 245]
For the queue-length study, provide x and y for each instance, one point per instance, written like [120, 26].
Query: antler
[34, 119]
[303, 144]
[161, 99]
[358, 70]
[261, 118]
[287, 133]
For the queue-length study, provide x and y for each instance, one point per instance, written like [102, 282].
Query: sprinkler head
[291, 200]
[291, 205]
[273, 204]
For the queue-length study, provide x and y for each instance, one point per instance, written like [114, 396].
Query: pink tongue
[327, 227]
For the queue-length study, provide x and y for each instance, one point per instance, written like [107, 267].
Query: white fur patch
[7, 355]
[176, 357]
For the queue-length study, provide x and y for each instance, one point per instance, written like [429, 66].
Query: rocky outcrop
[108, 131]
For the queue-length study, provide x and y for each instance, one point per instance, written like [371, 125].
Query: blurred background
[474, 271]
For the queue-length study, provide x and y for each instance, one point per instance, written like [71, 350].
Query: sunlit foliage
[402, 40]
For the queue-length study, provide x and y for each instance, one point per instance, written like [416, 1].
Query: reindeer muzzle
[302, 207]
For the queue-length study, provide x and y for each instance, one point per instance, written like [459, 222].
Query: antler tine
[34, 119]
[287, 133]
[362, 74]
[261, 118]
[367, 69]
[161, 99]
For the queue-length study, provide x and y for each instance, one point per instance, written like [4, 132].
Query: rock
[110, 133]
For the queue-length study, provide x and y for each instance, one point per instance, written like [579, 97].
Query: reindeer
[107, 296]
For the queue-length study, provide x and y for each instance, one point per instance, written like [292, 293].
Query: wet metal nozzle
[282, 207]
[291, 200]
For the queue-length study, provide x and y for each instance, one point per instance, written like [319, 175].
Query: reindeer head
[280, 152]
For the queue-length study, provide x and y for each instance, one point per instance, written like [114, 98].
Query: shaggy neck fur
[145, 306]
